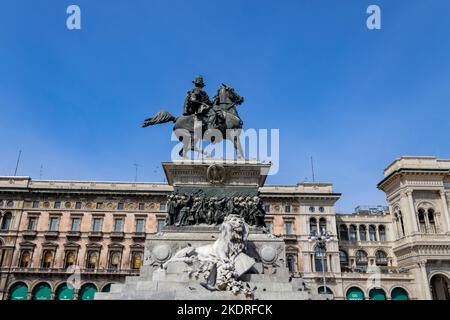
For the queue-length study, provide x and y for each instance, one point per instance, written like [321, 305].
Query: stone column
[426, 285]
[446, 213]
[329, 263]
[413, 216]
[307, 263]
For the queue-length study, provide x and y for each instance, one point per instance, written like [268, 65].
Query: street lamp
[321, 241]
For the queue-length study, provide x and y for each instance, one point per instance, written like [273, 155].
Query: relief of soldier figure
[183, 209]
[218, 117]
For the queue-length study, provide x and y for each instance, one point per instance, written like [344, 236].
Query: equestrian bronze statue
[218, 119]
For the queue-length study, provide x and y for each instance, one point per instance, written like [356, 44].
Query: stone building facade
[54, 234]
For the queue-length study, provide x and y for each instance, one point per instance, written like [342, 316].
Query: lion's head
[234, 233]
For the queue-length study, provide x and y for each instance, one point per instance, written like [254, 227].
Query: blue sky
[352, 98]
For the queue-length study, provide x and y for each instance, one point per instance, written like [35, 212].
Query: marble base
[269, 275]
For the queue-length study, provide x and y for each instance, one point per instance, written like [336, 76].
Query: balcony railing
[128, 272]
[117, 234]
[73, 234]
[29, 234]
[51, 234]
[381, 269]
[95, 234]
[139, 235]
[381, 261]
[289, 236]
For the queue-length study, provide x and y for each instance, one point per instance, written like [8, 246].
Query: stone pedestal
[269, 275]
[159, 279]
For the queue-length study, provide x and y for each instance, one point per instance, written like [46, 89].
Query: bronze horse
[222, 117]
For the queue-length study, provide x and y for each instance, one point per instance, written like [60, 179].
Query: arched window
[92, 258]
[381, 233]
[320, 259]
[399, 294]
[372, 233]
[381, 258]
[343, 259]
[421, 218]
[362, 233]
[322, 289]
[290, 261]
[114, 260]
[25, 259]
[6, 221]
[361, 260]
[47, 259]
[136, 260]
[439, 287]
[431, 221]
[323, 225]
[352, 232]
[313, 226]
[70, 259]
[107, 288]
[343, 232]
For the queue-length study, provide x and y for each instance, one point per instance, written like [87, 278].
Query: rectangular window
[267, 207]
[78, 205]
[57, 204]
[120, 206]
[287, 209]
[32, 222]
[118, 225]
[162, 206]
[75, 225]
[141, 206]
[99, 205]
[97, 225]
[160, 226]
[35, 204]
[140, 225]
[54, 223]
[288, 228]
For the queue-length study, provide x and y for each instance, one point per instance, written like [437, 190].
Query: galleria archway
[440, 287]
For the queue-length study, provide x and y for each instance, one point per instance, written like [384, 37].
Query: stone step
[265, 278]
[282, 295]
[271, 286]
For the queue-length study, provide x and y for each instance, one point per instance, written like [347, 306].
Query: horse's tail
[160, 117]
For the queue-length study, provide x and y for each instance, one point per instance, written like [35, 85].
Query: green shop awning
[18, 291]
[87, 292]
[64, 293]
[42, 291]
[377, 294]
[355, 294]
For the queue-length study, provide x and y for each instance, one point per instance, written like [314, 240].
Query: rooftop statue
[219, 114]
